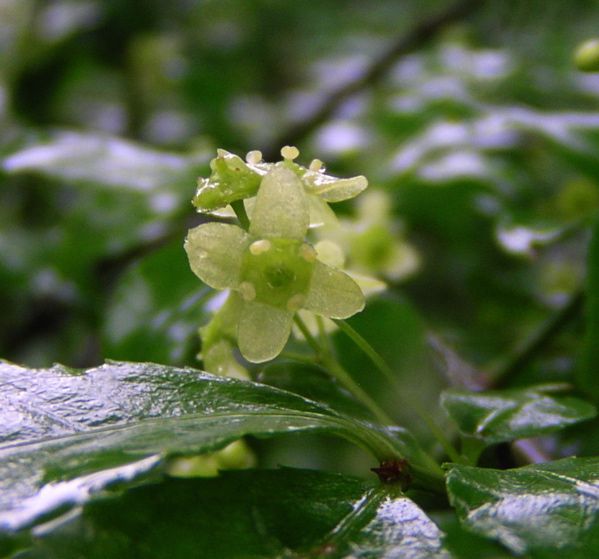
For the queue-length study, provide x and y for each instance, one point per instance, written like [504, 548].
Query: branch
[537, 341]
[417, 37]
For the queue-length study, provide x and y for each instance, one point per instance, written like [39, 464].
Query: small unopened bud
[586, 57]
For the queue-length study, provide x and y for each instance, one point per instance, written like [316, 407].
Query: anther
[260, 247]
[289, 153]
[316, 165]
[253, 157]
[295, 302]
[247, 290]
[308, 253]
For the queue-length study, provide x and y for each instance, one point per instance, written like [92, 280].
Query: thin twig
[417, 37]
[533, 346]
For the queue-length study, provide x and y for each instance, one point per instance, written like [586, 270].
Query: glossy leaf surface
[259, 514]
[73, 433]
[545, 510]
[103, 160]
[505, 415]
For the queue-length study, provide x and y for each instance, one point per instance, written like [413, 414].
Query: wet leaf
[261, 514]
[545, 510]
[461, 542]
[68, 434]
[313, 383]
[505, 415]
[106, 161]
[155, 310]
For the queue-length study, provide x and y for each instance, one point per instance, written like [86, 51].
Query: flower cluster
[233, 179]
[275, 267]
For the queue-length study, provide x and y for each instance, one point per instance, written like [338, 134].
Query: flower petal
[215, 252]
[281, 208]
[219, 360]
[320, 212]
[333, 293]
[332, 189]
[263, 331]
[368, 284]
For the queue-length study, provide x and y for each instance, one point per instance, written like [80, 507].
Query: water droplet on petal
[260, 247]
[290, 153]
[247, 291]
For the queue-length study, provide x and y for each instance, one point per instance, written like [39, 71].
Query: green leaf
[504, 415]
[460, 541]
[106, 161]
[396, 331]
[546, 510]
[154, 311]
[117, 421]
[257, 514]
[313, 383]
[588, 368]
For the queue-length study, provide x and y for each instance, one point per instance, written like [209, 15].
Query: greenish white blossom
[271, 269]
[233, 179]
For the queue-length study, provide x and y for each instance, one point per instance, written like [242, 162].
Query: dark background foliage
[469, 114]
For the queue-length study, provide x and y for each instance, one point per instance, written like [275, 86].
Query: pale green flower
[219, 339]
[271, 267]
[233, 179]
[373, 241]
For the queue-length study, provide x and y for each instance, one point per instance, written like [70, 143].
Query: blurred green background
[472, 118]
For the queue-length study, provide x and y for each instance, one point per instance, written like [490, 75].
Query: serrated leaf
[545, 510]
[504, 415]
[258, 514]
[117, 421]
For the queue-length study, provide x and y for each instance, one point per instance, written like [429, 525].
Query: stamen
[295, 302]
[253, 157]
[316, 165]
[260, 247]
[289, 153]
[247, 291]
[308, 253]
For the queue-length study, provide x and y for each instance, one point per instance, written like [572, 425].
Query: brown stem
[417, 37]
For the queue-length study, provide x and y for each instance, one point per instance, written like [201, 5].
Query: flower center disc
[278, 271]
